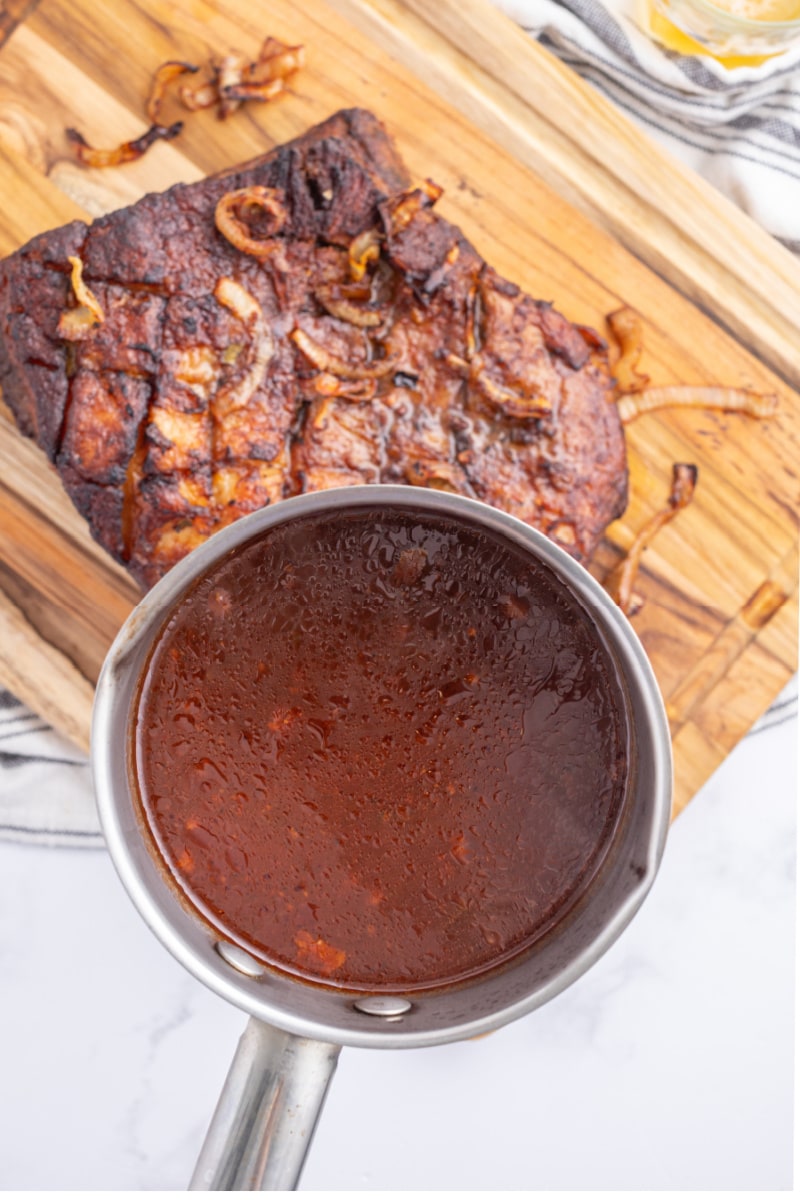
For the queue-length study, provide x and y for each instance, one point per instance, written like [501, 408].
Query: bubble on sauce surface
[405, 732]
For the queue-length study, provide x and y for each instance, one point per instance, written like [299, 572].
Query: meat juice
[380, 749]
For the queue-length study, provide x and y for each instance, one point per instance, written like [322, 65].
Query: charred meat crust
[361, 339]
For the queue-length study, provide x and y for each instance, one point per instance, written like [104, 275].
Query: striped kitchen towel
[45, 783]
[739, 128]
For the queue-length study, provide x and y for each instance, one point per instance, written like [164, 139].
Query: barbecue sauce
[381, 749]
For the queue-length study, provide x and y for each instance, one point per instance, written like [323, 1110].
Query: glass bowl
[698, 26]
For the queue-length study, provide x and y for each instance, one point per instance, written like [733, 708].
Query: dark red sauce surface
[381, 750]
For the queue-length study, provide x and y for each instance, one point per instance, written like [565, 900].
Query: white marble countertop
[668, 1066]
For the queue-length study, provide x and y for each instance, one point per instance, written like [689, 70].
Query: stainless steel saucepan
[263, 1124]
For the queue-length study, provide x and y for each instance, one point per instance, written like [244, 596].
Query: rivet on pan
[389, 1007]
[239, 959]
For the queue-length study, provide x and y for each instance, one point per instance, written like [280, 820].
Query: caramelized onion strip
[626, 327]
[363, 250]
[277, 60]
[126, 152]
[620, 582]
[235, 81]
[243, 305]
[228, 74]
[472, 332]
[82, 293]
[513, 404]
[357, 390]
[250, 90]
[238, 300]
[406, 206]
[324, 360]
[161, 81]
[336, 300]
[753, 404]
[75, 323]
[194, 99]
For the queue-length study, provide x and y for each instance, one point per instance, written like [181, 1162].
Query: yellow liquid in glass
[662, 29]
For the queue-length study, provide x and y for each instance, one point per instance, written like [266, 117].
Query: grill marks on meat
[219, 382]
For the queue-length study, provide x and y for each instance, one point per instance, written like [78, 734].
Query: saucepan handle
[264, 1122]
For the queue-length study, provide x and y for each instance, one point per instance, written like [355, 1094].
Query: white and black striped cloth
[45, 783]
[739, 128]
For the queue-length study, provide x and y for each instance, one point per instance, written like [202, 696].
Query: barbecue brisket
[365, 341]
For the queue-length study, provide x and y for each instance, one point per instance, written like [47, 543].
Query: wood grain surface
[534, 106]
[12, 12]
[719, 620]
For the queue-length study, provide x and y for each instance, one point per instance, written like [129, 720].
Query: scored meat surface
[301, 322]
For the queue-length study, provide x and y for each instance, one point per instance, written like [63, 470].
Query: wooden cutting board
[557, 191]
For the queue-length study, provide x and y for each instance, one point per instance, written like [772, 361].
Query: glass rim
[731, 19]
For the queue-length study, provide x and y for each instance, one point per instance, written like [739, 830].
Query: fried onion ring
[230, 212]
